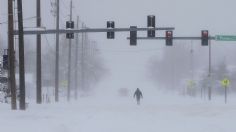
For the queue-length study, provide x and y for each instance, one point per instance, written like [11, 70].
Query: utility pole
[82, 60]
[192, 70]
[209, 75]
[69, 60]
[191, 51]
[11, 73]
[57, 54]
[76, 60]
[15, 26]
[21, 55]
[38, 64]
[86, 56]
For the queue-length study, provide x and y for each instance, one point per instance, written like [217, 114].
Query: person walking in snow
[138, 94]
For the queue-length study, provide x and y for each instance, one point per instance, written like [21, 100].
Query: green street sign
[225, 38]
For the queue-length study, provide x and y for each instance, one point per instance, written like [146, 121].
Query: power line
[25, 19]
[48, 43]
[51, 49]
[64, 4]
[127, 50]
[63, 13]
[62, 22]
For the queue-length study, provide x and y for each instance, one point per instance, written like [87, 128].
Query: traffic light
[110, 25]
[169, 38]
[205, 37]
[133, 36]
[151, 24]
[70, 35]
[5, 62]
[70, 25]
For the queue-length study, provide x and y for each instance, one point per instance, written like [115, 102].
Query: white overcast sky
[188, 17]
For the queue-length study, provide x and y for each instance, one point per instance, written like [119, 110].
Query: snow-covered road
[117, 114]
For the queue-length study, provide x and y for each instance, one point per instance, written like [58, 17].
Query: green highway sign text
[225, 38]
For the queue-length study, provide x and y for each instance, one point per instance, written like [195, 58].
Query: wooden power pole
[21, 55]
[11, 52]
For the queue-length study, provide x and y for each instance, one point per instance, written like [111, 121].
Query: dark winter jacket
[138, 94]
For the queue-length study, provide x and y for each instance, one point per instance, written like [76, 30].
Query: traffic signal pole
[209, 75]
[38, 63]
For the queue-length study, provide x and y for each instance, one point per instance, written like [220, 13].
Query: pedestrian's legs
[138, 101]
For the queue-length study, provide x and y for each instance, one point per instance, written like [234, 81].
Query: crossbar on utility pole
[89, 30]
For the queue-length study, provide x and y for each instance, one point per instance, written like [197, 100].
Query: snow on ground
[163, 113]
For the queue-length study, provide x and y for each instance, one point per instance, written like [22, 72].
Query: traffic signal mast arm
[177, 38]
[89, 30]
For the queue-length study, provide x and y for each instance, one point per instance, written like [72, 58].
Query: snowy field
[158, 113]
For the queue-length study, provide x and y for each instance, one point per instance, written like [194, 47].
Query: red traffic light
[205, 37]
[169, 38]
[169, 34]
[205, 33]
